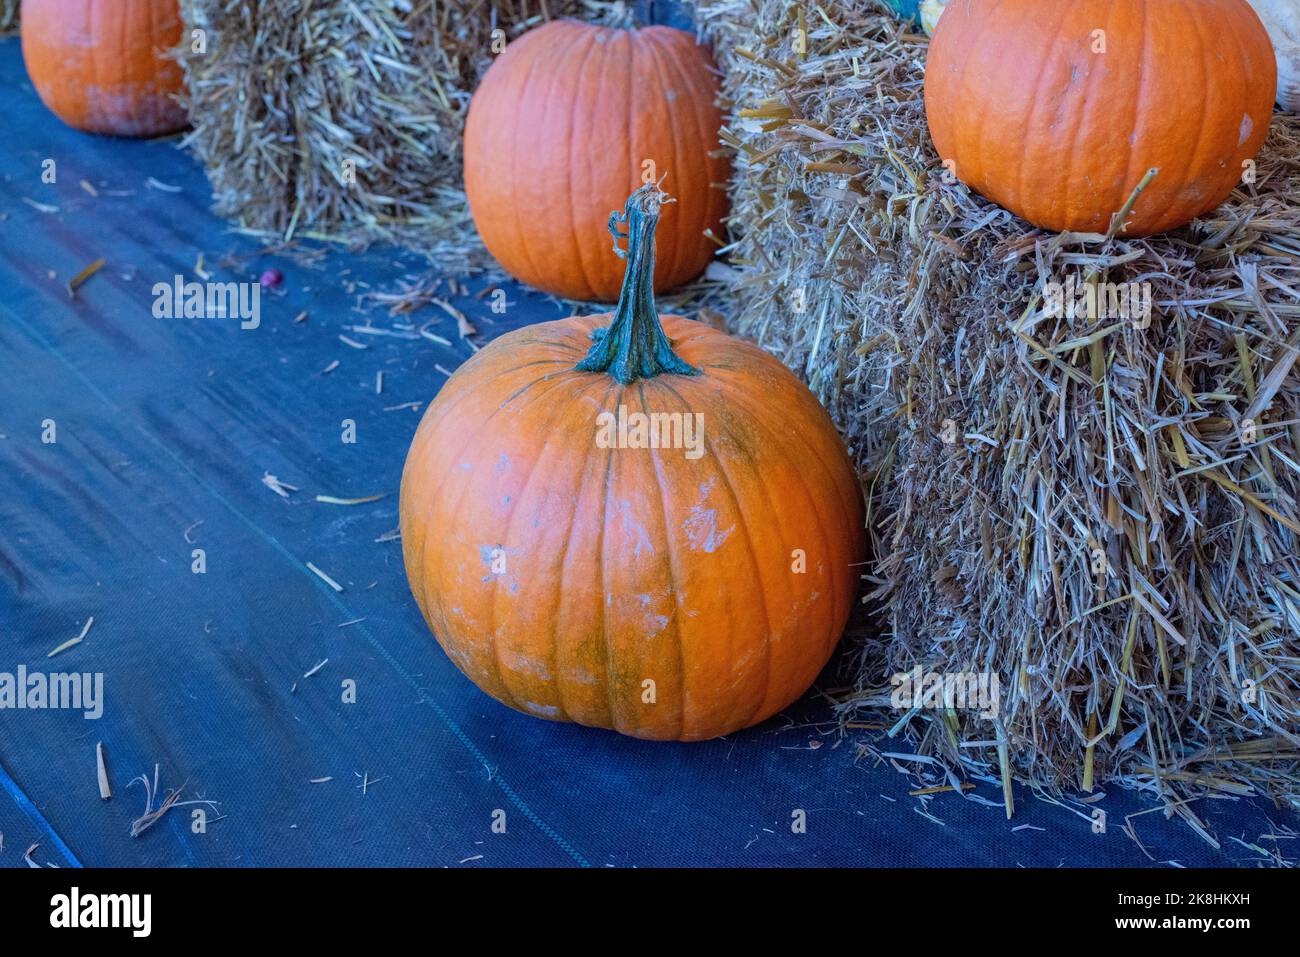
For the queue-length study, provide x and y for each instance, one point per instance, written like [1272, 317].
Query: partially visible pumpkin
[656, 591]
[98, 64]
[570, 119]
[1057, 111]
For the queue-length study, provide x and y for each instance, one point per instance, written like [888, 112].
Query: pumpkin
[568, 120]
[1282, 20]
[579, 563]
[98, 64]
[1057, 111]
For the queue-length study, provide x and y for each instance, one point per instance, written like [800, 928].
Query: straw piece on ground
[101, 772]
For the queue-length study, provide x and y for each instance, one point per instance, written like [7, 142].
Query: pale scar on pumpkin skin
[1247, 127]
[545, 710]
[653, 623]
[701, 524]
[522, 664]
[633, 529]
[701, 529]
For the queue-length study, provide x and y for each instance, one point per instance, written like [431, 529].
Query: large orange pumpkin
[677, 593]
[1056, 111]
[570, 119]
[97, 64]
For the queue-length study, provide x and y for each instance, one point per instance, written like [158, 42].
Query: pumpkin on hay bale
[571, 118]
[1100, 513]
[344, 122]
[103, 66]
[1190, 111]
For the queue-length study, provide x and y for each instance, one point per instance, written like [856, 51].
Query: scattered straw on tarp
[1103, 516]
[342, 121]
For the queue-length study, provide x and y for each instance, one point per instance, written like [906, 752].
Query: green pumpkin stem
[634, 346]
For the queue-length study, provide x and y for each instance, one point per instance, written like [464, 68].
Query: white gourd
[931, 10]
[1282, 20]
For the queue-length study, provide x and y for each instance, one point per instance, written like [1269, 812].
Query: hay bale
[343, 121]
[1105, 533]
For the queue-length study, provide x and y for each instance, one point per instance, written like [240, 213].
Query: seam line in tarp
[393, 663]
[27, 807]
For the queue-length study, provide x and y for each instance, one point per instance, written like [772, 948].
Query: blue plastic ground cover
[165, 428]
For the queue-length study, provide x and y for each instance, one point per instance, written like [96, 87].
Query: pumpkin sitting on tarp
[1059, 111]
[632, 521]
[570, 119]
[99, 65]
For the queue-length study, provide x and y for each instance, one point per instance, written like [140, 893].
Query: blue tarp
[165, 429]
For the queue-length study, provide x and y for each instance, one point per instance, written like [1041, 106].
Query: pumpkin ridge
[437, 492]
[781, 442]
[528, 385]
[564, 364]
[466, 488]
[689, 231]
[557, 334]
[1039, 101]
[672, 575]
[1090, 102]
[1247, 62]
[575, 252]
[1194, 160]
[960, 85]
[980, 125]
[610, 674]
[554, 642]
[492, 641]
[841, 605]
[1132, 173]
[521, 235]
[720, 466]
[850, 496]
[1118, 192]
[685, 153]
[626, 117]
[444, 410]
[669, 266]
[563, 577]
[543, 426]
